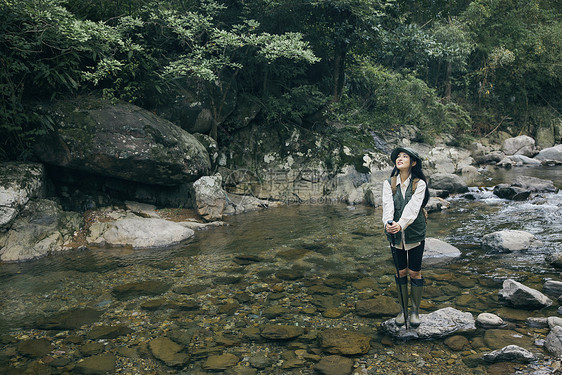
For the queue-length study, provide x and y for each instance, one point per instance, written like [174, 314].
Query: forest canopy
[459, 66]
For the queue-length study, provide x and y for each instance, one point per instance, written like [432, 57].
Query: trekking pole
[404, 304]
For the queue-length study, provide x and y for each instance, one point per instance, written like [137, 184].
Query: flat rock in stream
[510, 353]
[438, 324]
[520, 295]
[139, 233]
[506, 241]
[437, 252]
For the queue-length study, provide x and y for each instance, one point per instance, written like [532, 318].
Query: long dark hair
[416, 172]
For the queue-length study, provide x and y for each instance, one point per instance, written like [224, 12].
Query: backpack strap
[393, 183]
[414, 185]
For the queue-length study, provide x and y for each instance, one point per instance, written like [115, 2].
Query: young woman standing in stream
[404, 196]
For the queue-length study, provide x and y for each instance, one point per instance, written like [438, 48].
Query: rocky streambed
[294, 290]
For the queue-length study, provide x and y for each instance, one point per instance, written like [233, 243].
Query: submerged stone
[35, 347]
[70, 319]
[220, 362]
[343, 342]
[99, 364]
[109, 332]
[378, 307]
[168, 351]
[140, 288]
[281, 332]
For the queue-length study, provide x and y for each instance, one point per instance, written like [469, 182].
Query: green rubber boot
[402, 287]
[416, 295]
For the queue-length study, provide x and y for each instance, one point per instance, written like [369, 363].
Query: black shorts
[413, 260]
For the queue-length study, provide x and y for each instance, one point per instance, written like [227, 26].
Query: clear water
[315, 241]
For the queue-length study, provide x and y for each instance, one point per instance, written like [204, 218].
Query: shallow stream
[302, 265]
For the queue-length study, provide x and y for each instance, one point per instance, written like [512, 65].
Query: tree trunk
[339, 69]
[448, 82]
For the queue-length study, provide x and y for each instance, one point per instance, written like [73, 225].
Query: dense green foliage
[440, 65]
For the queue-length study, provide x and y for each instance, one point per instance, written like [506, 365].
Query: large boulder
[438, 324]
[19, 182]
[523, 186]
[534, 184]
[506, 241]
[554, 341]
[210, 198]
[138, 232]
[41, 228]
[521, 145]
[519, 295]
[551, 153]
[449, 182]
[122, 141]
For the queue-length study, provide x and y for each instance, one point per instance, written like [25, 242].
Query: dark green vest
[415, 231]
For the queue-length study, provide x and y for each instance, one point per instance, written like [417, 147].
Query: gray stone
[168, 351]
[510, 192]
[334, 365]
[449, 182]
[41, 228]
[138, 232]
[534, 184]
[518, 161]
[551, 153]
[554, 341]
[510, 353]
[553, 288]
[490, 158]
[210, 198]
[555, 259]
[343, 342]
[438, 324]
[122, 141]
[436, 204]
[487, 320]
[554, 321]
[438, 252]
[19, 182]
[520, 295]
[521, 145]
[509, 240]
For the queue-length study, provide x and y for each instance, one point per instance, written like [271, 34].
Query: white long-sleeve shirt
[410, 212]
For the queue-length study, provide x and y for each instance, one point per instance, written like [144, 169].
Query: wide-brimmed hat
[413, 154]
